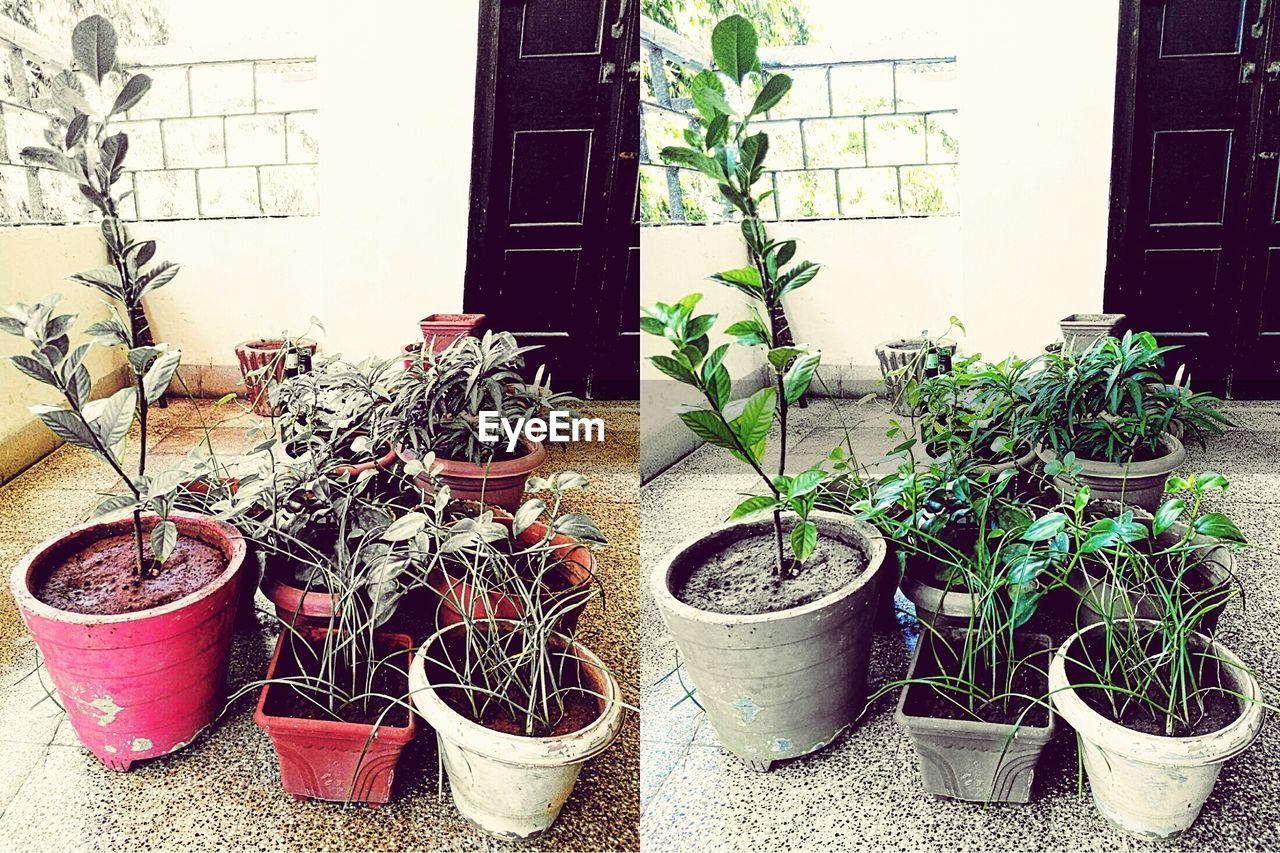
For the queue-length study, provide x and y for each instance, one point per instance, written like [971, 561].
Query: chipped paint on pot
[784, 684]
[508, 785]
[136, 685]
[1148, 785]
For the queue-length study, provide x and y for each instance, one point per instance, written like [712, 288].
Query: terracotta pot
[499, 483]
[410, 353]
[1137, 483]
[441, 330]
[259, 353]
[330, 759]
[297, 606]
[1149, 785]
[508, 785]
[973, 759]
[784, 684]
[136, 685]
[454, 597]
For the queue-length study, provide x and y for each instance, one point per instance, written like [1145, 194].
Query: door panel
[1187, 254]
[550, 99]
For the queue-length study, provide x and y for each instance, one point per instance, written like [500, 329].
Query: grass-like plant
[978, 408]
[1110, 402]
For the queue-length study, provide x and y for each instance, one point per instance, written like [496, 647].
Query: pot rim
[274, 345]
[1193, 751]
[452, 320]
[380, 462]
[535, 454]
[19, 579]
[659, 580]
[556, 751]
[912, 344]
[1161, 466]
[330, 728]
[983, 728]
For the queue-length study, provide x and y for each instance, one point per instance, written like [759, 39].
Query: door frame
[481, 146]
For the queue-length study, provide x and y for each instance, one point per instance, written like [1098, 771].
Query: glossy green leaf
[733, 45]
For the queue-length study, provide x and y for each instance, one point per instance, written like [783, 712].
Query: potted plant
[518, 706]
[265, 362]
[337, 408]
[133, 617]
[906, 362]
[1158, 706]
[549, 561]
[439, 331]
[436, 407]
[972, 698]
[1082, 331]
[1103, 418]
[335, 698]
[760, 646]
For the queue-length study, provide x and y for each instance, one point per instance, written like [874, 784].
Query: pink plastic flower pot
[441, 330]
[136, 685]
[333, 760]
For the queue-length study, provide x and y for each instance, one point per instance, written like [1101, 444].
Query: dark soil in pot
[1216, 711]
[301, 658]
[740, 579]
[102, 577]
[1029, 679]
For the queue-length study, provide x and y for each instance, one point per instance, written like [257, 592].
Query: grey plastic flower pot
[784, 684]
[1081, 331]
[1137, 483]
[1149, 785]
[941, 607]
[512, 786]
[971, 759]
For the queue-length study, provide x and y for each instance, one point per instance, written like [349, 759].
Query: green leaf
[749, 332]
[708, 96]
[1218, 526]
[111, 420]
[527, 514]
[578, 526]
[698, 326]
[752, 152]
[676, 156]
[652, 326]
[104, 279]
[1045, 527]
[805, 482]
[93, 43]
[779, 357]
[164, 536]
[753, 424]
[713, 361]
[140, 358]
[674, 369]
[75, 129]
[114, 504]
[717, 131]
[708, 426]
[753, 505]
[156, 380]
[34, 368]
[132, 92]
[405, 527]
[1167, 514]
[1210, 481]
[745, 279]
[66, 425]
[68, 93]
[719, 386]
[114, 149]
[733, 45]
[804, 538]
[774, 90]
[799, 375]
[797, 277]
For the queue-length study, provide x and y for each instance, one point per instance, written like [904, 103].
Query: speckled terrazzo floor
[223, 792]
[863, 791]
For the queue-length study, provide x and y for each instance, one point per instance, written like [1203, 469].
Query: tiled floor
[224, 791]
[863, 791]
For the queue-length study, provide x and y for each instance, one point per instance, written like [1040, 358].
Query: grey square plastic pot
[971, 759]
[784, 684]
[1081, 331]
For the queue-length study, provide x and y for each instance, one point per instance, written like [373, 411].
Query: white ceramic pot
[783, 684]
[1148, 785]
[508, 785]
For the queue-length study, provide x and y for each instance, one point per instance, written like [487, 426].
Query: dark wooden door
[548, 257]
[1193, 197]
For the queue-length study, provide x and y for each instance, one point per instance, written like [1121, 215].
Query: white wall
[1037, 88]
